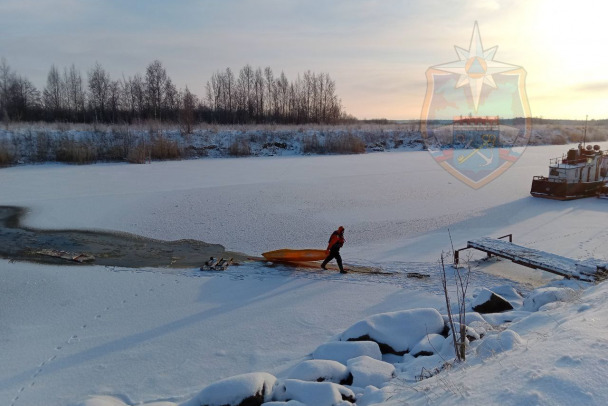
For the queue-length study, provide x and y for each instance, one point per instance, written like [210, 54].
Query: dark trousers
[334, 254]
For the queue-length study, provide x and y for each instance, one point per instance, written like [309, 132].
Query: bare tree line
[252, 96]
[256, 95]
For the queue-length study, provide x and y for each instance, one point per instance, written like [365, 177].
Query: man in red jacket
[336, 241]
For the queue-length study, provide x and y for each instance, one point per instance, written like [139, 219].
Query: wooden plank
[529, 257]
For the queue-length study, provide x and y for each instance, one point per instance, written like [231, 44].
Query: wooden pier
[586, 270]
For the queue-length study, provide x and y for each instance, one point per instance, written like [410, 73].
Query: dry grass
[140, 154]
[162, 148]
[75, 152]
[344, 144]
[240, 148]
[311, 144]
[6, 156]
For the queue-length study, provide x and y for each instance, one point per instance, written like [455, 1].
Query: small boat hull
[550, 189]
[289, 255]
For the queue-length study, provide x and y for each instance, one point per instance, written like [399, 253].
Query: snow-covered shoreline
[26, 143]
[161, 335]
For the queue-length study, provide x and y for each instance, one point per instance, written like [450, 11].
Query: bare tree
[282, 86]
[75, 95]
[258, 91]
[214, 92]
[23, 98]
[245, 92]
[188, 105]
[156, 76]
[229, 94]
[270, 92]
[114, 100]
[53, 95]
[138, 91]
[99, 86]
[6, 77]
[170, 100]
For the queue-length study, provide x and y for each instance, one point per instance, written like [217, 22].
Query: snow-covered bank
[163, 335]
[27, 143]
[72, 332]
[85, 143]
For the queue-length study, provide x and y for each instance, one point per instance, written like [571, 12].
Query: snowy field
[101, 336]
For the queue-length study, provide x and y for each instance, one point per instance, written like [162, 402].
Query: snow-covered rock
[280, 403]
[254, 388]
[112, 401]
[509, 293]
[471, 317]
[448, 351]
[320, 370]
[542, 296]
[480, 327]
[414, 369]
[496, 319]
[102, 401]
[494, 344]
[429, 345]
[161, 403]
[314, 393]
[470, 332]
[342, 351]
[396, 332]
[371, 396]
[487, 301]
[367, 371]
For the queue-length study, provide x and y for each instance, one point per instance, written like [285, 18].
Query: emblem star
[476, 66]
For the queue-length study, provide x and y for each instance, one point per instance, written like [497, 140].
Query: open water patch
[107, 247]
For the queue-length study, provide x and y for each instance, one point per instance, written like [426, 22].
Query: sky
[377, 51]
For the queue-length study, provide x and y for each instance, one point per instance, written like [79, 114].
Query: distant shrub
[162, 148]
[74, 151]
[115, 144]
[597, 134]
[6, 156]
[139, 154]
[240, 148]
[63, 126]
[558, 139]
[43, 145]
[344, 144]
[311, 144]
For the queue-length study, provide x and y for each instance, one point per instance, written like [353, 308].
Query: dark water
[108, 248]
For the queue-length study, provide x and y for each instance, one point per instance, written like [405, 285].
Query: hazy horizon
[376, 51]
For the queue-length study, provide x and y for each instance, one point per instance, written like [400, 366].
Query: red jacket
[336, 240]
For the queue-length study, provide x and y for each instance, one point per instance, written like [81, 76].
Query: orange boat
[289, 255]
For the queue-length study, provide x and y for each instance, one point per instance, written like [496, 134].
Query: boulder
[314, 393]
[396, 332]
[367, 371]
[489, 302]
[252, 389]
[469, 332]
[342, 351]
[498, 319]
[429, 345]
[542, 296]
[495, 344]
[509, 293]
[321, 370]
[102, 401]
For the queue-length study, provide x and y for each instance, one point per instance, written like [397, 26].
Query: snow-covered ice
[100, 336]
